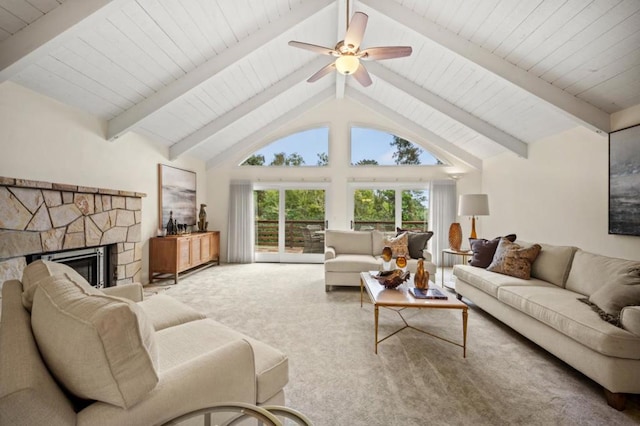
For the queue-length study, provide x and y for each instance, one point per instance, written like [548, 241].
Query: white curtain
[240, 235]
[442, 215]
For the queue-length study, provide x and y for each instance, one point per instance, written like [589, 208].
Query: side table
[452, 252]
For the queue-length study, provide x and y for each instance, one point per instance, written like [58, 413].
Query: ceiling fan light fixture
[347, 64]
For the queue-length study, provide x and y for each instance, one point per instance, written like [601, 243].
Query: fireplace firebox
[91, 263]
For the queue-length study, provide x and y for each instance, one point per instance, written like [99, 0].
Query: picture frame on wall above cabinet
[177, 194]
[624, 181]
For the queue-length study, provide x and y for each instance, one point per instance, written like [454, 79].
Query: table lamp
[473, 205]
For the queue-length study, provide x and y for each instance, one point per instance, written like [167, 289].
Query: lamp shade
[347, 64]
[473, 205]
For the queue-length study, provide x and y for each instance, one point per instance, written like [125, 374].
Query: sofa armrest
[329, 253]
[226, 374]
[630, 319]
[127, 291]
[426, 254]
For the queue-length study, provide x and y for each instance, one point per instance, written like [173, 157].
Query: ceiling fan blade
[386, 52]
[355, 32]
[314, 48]
[323, 71]
[362, 75]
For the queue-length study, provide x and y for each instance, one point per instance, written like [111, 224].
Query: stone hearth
[42, 217]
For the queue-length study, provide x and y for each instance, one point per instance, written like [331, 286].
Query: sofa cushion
[377, 242]
[589, 271]
[349, 242]
[352, 262]
[417, 241]
[553, 263]
[490, 282]
[40, 269]
[164, 311]
[399, 244]
[484, 250]
[187, 341]
[99, 347]
[622, 289]
[560, 309]
[630, 319]
[513, 259]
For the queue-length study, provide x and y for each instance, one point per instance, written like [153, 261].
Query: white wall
[559, 195]
[339, 115]
[37, 134]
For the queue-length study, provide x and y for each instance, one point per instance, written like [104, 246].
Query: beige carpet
[336, 379]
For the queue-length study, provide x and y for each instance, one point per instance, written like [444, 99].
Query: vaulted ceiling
[205, 76]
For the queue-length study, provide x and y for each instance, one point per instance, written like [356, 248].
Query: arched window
[306, 148]
[374, 147]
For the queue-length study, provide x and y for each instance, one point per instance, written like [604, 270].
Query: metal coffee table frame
[399, 299]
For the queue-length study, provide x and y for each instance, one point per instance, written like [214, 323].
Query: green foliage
[406, 152]
[300, 204]
[323, 159]
[254, 160]
[367, 163]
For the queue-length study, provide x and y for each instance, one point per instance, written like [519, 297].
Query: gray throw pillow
[483, 250]
[621, 290]
[417, 242]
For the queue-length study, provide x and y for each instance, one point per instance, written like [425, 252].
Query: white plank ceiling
[209, 77]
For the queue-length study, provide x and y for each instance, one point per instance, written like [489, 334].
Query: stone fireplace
[42, 217]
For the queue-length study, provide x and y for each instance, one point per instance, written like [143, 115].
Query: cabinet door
[195, 250]
[205, 248]
[184, 254]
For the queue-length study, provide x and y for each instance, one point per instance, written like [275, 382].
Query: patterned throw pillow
[514, 260]
[484, 250]
[399, 245]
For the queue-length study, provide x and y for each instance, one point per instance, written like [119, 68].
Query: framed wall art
[624, 181]
[177, 194]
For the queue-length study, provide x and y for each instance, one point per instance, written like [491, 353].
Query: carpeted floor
[336, 379]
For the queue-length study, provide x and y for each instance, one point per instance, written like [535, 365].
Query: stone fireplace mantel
[41, 217]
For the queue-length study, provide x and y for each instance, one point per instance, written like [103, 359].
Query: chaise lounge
[71, 354]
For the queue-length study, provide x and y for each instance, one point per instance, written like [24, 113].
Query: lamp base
[473, 228]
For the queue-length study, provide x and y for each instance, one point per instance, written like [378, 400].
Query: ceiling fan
[348, 52]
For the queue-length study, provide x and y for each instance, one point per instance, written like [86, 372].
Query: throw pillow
[417, 241]
[514, 260]
[98, 347]
[484, 250]
[620, 290]
[40, 269]
[399, 245]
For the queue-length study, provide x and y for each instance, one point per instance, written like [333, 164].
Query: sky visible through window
[366, 144]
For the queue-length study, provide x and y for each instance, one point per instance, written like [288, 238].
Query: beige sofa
[74, 355]
[546, 310]
[348, 253]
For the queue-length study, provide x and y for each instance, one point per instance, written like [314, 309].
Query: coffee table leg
[361, 291]
[375, 321]
[464, 333]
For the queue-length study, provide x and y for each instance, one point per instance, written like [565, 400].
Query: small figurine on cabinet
[202, 219]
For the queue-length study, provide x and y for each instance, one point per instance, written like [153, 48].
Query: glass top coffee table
[398, 299]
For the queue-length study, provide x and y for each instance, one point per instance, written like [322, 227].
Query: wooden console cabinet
[174, 254]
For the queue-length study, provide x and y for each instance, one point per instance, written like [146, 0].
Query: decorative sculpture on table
[421, 277]
[401, 263]
[202, 219]
[386, 258]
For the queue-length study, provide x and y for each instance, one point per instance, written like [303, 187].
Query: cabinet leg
[176, 278]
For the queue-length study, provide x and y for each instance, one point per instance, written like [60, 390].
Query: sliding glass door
[289, 224]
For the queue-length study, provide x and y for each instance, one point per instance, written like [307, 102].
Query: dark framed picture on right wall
[624, 181]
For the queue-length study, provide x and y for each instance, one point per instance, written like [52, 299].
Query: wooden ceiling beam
[463, 117]
[441, 145]
[578, 110]
[45, 34]
[204, 133]
[134, 115]
[255, 140]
